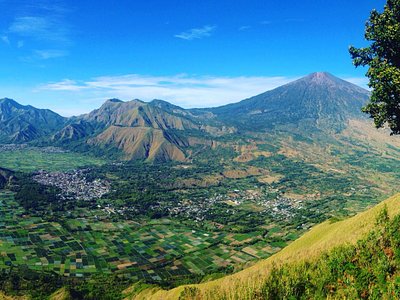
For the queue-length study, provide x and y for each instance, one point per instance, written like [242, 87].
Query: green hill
[250, 282]
[19, 123]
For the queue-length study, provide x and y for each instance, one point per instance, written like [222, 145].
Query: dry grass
[5, 297]
[135, 142]
[376, 138]
[271, 178]
[323, 237]
[61, 294]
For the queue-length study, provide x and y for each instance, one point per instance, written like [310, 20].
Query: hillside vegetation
[20, 124]
[251, 283]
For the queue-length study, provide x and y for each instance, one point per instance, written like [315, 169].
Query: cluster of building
[73, 184]
[282, 207]
[195, 210]
[16, 147]
[12, 147]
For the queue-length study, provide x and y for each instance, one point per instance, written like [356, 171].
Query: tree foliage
[383, 58]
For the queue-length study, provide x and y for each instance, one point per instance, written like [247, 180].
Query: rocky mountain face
[160, 131]
[156, 131]
[319, 99]
[19, 123]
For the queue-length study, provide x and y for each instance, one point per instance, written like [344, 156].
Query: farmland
[155, 251]
[28, 159]
[170, 223]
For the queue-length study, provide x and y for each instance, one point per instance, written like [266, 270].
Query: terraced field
[156, 251]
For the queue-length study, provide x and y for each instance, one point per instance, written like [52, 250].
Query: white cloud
[196, 33]
[49, 53]
[65, 85]
[39, 22]
[40, 28]
[81, 96]
[360, 81]
[184, 90]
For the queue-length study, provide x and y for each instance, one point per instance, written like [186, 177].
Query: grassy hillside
[245, 284]
[61, 294]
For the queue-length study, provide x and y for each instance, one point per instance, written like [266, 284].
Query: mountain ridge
[20, 123]
[317, 98]
[160, 130]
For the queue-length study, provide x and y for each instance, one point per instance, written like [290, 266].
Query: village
[17, 147]
[73, 184]
[280, 207]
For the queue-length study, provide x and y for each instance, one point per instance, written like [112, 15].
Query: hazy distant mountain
[158, 130]
[19, 123]
[319, 99]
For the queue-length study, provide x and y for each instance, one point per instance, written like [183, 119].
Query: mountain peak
[19, 123]
[8, 101]
[322, 78]
[321, 75]
[113, 100]
[318, 99]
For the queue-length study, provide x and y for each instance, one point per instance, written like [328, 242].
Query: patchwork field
[155, 251]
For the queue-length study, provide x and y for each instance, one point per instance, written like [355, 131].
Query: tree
[383, 59]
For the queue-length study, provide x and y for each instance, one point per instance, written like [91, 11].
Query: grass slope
[323, 237]
[61, 294]
[5, 297]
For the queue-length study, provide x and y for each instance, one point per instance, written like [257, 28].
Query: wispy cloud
[188, 91]
[37, 25]
[196, 33]
[52, 6]
[49, 53]
[40, 28]
[360, 81]
[245, 27]
[64, 85]
[5, 39]
[184, 90]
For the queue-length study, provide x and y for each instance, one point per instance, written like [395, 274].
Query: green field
[156, 251]
[310, 251]
[28, 160]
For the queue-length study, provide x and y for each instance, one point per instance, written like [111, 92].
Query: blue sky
[70, 56]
